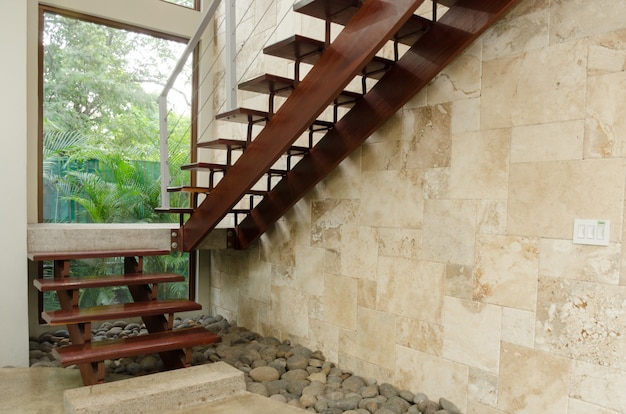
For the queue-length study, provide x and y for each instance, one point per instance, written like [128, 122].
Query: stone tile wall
[438, 256]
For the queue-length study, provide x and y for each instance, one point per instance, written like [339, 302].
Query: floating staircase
[174, 346]
[421, 48]
[295, 149]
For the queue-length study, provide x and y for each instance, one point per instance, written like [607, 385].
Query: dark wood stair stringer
[457, 29]
[365, 34]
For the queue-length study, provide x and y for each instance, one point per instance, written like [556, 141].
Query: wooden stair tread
[283, 87]
[205, 166]
[297, 47]
[341, 11]
[294, 47]
[174, 210]
[244, 115]
[253, 116]
[133, 346]
[236, 144]
[223, 143]
[118, 311]
[207, 190]
[337, 11]
[133, 279]
[267, 84]
[94, 254]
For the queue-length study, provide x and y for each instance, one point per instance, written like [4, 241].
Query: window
[100, 130]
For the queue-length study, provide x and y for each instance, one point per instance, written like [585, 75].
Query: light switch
[593, 232]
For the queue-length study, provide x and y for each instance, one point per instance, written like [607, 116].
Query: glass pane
[101, 121]
[186, 3]
[101, 139]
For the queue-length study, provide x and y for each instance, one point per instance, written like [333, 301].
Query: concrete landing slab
[36, 390]
[247, 403]
[159, 393]
[47, 237]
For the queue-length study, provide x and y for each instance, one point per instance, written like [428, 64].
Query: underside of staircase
[295, 136]
[318, 125]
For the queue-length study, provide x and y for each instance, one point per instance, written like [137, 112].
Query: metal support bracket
[176, 240]
[231, 238]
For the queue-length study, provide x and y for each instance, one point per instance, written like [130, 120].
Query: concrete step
[246, 403]
[163, 393]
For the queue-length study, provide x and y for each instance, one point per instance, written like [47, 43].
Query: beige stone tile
[545, 198]
[290, 311]
[419, 335]
[367, 369]
[477, 408]
[461, 79]
[340, 298]
[491, 216]
[347, 341]
[327, 217]
[518, 327]
[449, 231]
[459, 281]
[513, 94]
[411, 288]
[581, 407]
[576, 19]
[548, 142]
[527, 7]
[392, 130]
[471, 333]
[247, 314]
[265, 320]
[366, 295]
[283, 276]
[506, 271]
[258, 282]
[582, 320]
[344, 182]
[309, 269]
[563, 259]
[382, 156]
[483, 387]
[324, 337]
[465, 116]
[437, 183]
[429, 131]
[405, 243]
[607, 53]
[359, 252]
[436, 377]
[516, 35]
[531, 381]
[276, 245]
[598, 385]
[299, 219]
[316, 307]
[479, 166]
[375, 337]
[392, 199]
[605, 120]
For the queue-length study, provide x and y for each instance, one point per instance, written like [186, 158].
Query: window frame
[42, 10]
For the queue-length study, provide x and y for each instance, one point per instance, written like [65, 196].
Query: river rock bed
[292, 374]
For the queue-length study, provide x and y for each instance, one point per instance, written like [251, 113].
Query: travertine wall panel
[439, 255]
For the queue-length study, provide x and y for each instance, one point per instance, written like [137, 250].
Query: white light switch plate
[593, 232]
